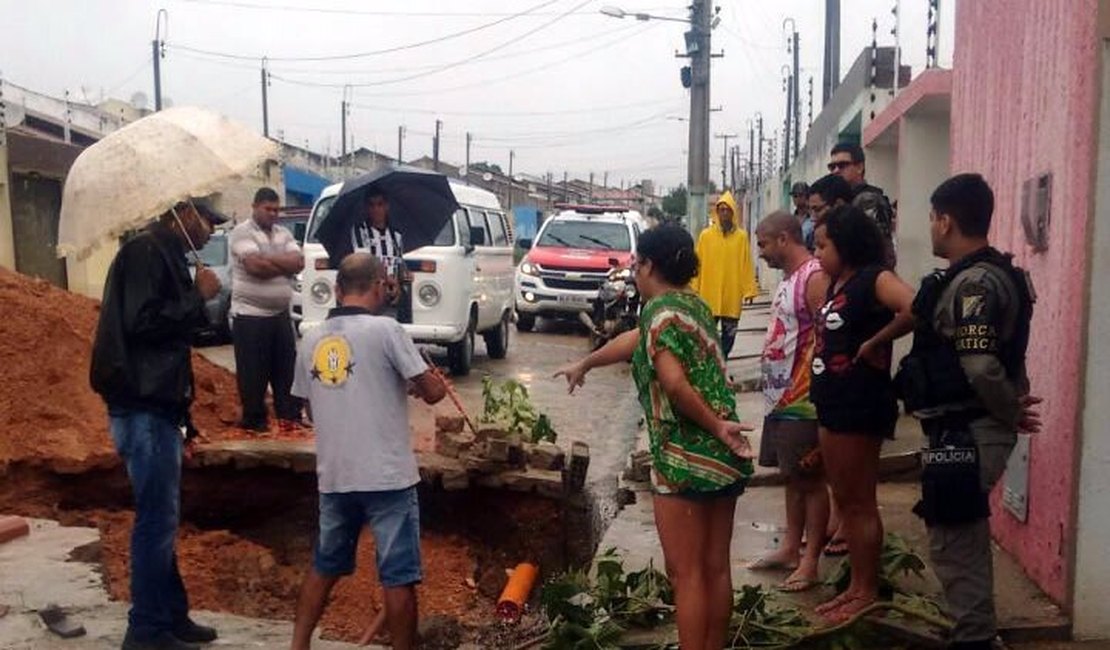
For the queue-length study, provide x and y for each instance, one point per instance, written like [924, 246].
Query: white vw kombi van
[462, 284]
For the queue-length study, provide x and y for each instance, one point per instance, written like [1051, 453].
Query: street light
[702, 20]
[617, 12]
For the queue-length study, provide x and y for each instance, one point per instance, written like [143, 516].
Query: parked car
[462, 285]
[571, 256]
[216, 255]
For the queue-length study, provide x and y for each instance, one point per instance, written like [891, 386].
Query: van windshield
[445, 237]
[318, 216]
[586, 234]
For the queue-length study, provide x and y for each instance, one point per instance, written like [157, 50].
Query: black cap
[799, 189]
[208, 212]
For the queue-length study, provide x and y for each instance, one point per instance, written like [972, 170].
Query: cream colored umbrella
[142, 170]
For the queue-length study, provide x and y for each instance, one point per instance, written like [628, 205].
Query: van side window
[497, 228]
[636, 232]
[477, 219]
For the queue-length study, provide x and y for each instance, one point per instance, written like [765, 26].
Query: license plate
[575, 300]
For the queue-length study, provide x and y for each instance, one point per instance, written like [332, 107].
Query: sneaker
[164, 641]
[192, 632]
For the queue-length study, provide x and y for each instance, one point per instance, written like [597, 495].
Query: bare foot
[372, 633]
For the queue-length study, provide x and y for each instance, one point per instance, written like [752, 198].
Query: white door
[483, 258]
[500, 264]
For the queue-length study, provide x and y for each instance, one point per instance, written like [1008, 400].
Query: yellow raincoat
[726, 277]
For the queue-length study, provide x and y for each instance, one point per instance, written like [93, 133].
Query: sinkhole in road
[247, 534]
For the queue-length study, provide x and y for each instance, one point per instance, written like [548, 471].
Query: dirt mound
[49, 416]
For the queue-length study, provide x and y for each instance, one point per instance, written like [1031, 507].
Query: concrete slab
[37, 571]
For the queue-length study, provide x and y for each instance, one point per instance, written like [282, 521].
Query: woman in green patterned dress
[701, 459]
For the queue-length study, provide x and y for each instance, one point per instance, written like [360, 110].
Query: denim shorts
[394, 519]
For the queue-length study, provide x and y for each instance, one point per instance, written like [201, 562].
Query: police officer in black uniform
[965, 380]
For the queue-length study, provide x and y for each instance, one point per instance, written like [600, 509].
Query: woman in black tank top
[867, 308]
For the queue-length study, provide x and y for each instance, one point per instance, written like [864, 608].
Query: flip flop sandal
[838, 617]
[765, 564]
[59, 622]
[797, 586]
[837, 547]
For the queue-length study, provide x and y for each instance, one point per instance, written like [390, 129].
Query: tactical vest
[931, 375]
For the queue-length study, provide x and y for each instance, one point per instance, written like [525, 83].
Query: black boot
[191, 632]
[163, 641]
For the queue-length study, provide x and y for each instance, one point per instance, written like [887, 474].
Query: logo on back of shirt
[332, 364]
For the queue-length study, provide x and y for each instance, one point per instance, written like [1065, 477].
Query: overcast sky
[565, 87]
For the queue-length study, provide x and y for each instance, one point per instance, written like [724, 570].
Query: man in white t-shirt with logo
[356, 370]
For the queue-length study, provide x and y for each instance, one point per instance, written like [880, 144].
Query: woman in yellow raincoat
[726, 277]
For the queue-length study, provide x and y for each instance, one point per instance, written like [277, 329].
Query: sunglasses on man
[838, 165]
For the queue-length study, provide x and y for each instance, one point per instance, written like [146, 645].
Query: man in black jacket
[142, 368]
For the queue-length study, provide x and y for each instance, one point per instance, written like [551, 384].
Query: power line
[358, 55]
[598, 109]
[139, 70]
[369, 12]
[487, 82]
[446, 66]
[507, 55]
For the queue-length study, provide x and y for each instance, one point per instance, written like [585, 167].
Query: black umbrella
[420, 203]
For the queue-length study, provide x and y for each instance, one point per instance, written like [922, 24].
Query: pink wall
[1024, 103]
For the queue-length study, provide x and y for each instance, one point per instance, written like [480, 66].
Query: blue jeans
[151, 447]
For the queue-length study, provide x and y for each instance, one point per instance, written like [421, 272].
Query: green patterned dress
[687, 459]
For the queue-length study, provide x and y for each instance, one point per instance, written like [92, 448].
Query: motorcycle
[616, 309]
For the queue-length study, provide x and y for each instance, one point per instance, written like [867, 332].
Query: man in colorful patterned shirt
[790, 425]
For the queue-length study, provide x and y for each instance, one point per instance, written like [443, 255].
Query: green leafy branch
[508, 406]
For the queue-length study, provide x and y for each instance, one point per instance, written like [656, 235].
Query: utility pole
[343, 124]
[400, 144]
[751, 155]
[564, 186]
[698, 50]
[265, 100]
[809, 122]
[759, 121]
[897, 34]
[435, 145]
[469, 140]
[591, 187]
[157, 52]
[512, 156]
[788, 86]
[797, 98]
[832, 50]
[724, 156]
[932, 35]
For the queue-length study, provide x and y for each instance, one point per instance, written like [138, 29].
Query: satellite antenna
[487, 177]
[139, 101]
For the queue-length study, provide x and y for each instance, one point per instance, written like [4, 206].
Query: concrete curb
[893, 468]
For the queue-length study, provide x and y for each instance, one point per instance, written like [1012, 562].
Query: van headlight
[428, 294]
[321, 292]
[528, 268]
